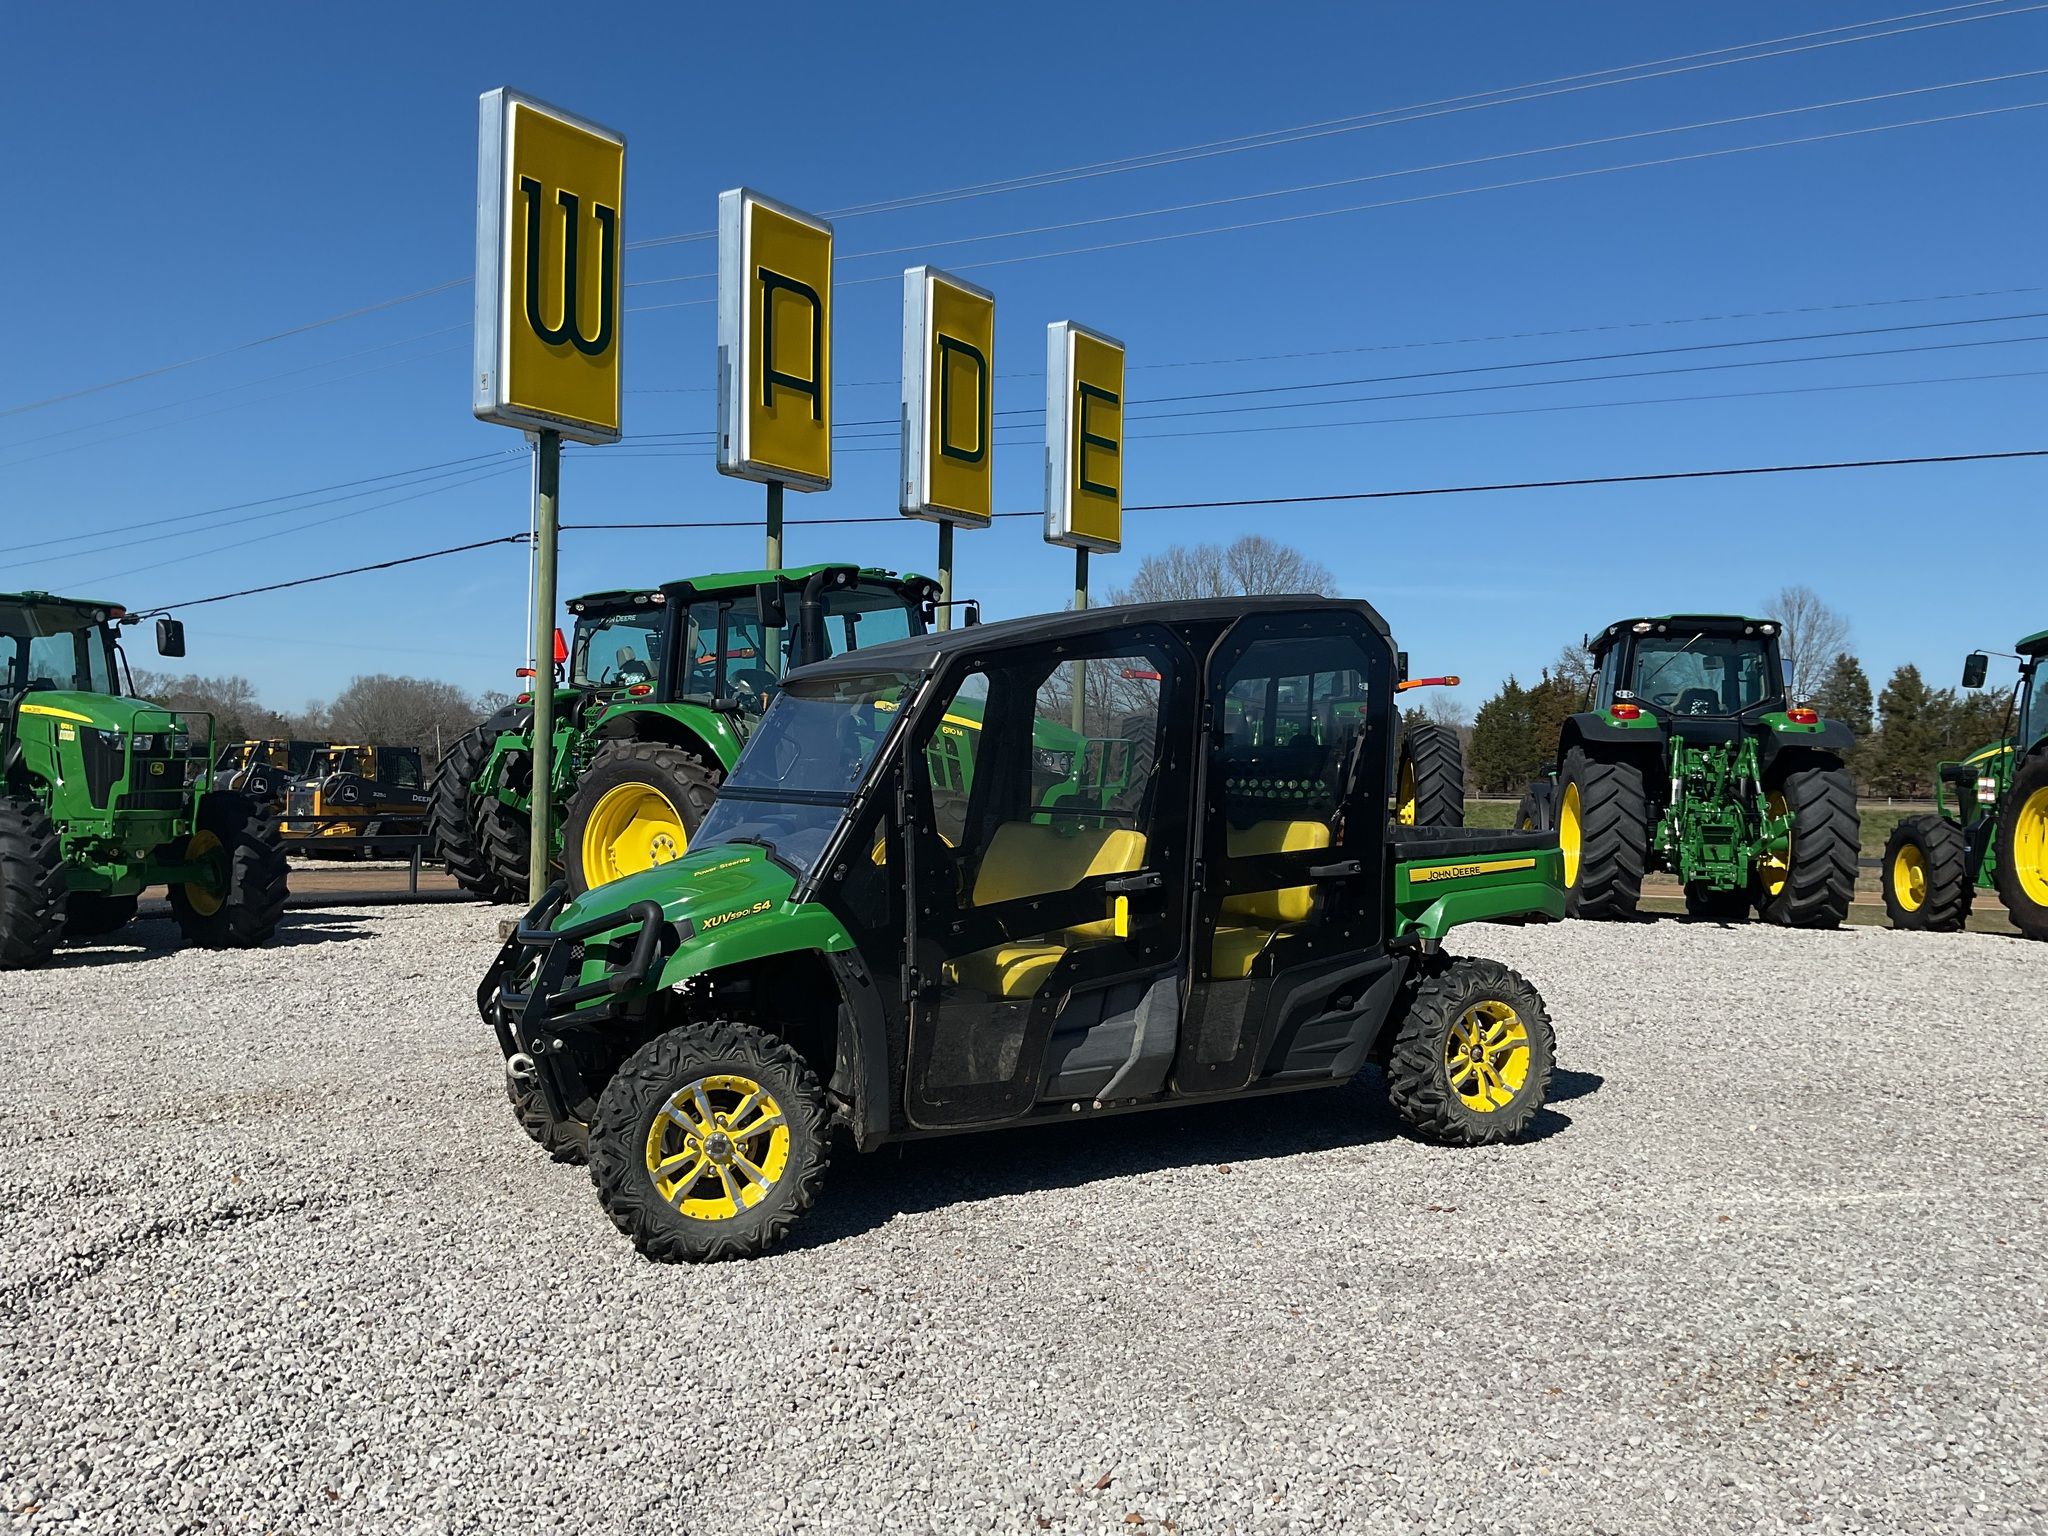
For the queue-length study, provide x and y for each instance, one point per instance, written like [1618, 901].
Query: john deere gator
[103, 795]
[1989, 827]
[662, 686]
[1693, 761]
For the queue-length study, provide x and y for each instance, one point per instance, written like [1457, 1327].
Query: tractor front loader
[103, 795]
[1693, 762]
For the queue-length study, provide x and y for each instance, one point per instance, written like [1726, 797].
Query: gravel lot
[277, 1259]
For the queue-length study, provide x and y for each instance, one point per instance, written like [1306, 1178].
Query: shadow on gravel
[147, 938]
[914, 1177]
[1566, 1085]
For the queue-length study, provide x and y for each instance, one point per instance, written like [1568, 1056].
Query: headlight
[181, 743]
[144, 741]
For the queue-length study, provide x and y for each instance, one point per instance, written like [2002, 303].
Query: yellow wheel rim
[200, 898]
[632, 827]
[1909, 878]
[1569, 835]
[2030, 847]
[1775, 868]
[717, 1147]
[1404, 797]
[1486, 1055]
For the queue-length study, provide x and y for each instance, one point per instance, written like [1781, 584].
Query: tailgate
[1443, 876]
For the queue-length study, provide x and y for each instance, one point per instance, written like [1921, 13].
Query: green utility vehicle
[1692, 761]
[663, 686]
[861, 941]
[103, 795]
[1994, 836]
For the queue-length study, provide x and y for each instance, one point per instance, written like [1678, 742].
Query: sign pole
[774, 525]
[547, 525]
[945, 576]
[1080, 667]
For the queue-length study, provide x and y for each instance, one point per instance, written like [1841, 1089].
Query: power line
[354, 570]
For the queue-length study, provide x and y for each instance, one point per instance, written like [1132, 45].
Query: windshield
[2034, 711]
[1700, 674]
[618, 649]
[48, 647]
[867, 615]
[724, 640]
[802, 765]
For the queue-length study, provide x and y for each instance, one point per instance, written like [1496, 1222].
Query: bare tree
[237, 713]
[1250, 565]
[1814, 635]
[399, 711]
[1442, 706]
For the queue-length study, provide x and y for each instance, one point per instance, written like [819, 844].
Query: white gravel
[276, 1258]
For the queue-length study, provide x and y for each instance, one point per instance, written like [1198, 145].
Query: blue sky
[187, 181]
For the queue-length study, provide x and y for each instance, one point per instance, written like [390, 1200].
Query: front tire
[1927, 885]
[1471, 1062]
[32, 903]
[1811, 884]
[709, 1143]
[1603, 827]
[243, 912]
[1429, 785]
[566, 1141]
[638, 806]
[2023, 847]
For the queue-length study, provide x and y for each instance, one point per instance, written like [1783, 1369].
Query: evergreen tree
[1505, 754]
[1844, 695]
[1913, 722]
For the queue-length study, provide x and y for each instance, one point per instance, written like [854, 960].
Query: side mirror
[170, 636]
[1400, 666]
[1975, 666]
[768, 596]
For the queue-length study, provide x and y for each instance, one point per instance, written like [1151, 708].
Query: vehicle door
[1289, 965]
[1047, 791]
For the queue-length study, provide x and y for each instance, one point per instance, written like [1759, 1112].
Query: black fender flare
[861, 1070]
[1833, 739]
[1594, 726]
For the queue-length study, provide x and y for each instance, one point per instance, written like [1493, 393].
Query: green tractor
[662, 687]
[1995, 834]
[103, 795]
[1692, 761]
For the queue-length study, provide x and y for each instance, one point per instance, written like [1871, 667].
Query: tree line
[377, 709]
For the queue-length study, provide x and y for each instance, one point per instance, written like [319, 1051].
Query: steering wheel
[751, 685]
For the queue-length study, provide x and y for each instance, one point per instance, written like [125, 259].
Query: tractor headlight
[144, 741]
[181, 744]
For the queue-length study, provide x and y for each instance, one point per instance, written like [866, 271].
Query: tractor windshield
[616, 650]
[52, 645]
[802, 766]
[729, 653]
[1701, 674]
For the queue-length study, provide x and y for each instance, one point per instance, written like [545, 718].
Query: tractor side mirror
[768, 596]
[170, 636]
[1975, 666]
[1400, 666]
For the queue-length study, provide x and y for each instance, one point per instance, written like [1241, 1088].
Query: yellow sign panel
[1084, 460]
[551, 192]
[949, 338]
[774, 342]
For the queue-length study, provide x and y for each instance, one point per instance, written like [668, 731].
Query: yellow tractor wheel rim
[1486, 1055]
[202, 899]
[632, 827]
[717, 1147]
[1775, 867]
[1909, 878]
[1570, 837]
[2030, 847]
[1404, 797]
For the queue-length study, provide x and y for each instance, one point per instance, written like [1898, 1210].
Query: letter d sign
[949, 338]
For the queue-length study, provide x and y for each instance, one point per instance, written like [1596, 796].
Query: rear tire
[32, 900]
[1926, 876]
[244, 915]
[505, 833]
[1603, 822]
[452, 822]
[1471, 1061]
[637, 806]
[88, 915]
[2023, 847]
[1816, 889]
[1429, 783]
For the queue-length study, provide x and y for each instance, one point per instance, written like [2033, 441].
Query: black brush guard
[524, 1019]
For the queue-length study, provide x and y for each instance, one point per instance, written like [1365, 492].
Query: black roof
[1707, 623]
[920, 651]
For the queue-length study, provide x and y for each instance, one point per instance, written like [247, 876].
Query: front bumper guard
[522, 1019]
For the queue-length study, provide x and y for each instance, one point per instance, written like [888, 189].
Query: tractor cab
[618, 641]
[1690, 666]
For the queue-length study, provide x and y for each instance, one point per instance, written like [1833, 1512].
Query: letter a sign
[1084, 438]
[549, 232]
[774, 342]
[948, 399]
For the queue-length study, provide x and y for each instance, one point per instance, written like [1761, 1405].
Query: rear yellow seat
[1027, 859]
[1259, 915]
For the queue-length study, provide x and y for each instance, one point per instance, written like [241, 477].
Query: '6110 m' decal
[1460, 871]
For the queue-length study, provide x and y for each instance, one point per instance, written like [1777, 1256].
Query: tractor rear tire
[1537, 809]
[1472, 1056]
[451, 819]
[1826, 835]
[637, 806]
[244, 916]
[1705, 904]
[2023, 847]
[1429, 785]
[504, 832]
[1603, 822]
[1926, 876]
[32, 899]
[88, 915]
[566, 1141]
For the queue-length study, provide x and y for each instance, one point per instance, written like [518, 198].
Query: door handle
[1124, 885]
[1338, 871]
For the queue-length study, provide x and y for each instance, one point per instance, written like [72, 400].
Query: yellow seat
[1007, 970]
[1263, 914]
[1027, 859]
